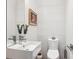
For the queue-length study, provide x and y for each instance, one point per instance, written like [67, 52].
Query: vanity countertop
[28, 49]
[29, 45]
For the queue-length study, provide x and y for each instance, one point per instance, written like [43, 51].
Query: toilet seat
[53, 54]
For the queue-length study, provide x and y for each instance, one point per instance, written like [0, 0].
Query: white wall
[69, 26]
[20, 14]
[32, 30]
[69, 21]
[11, 17]
[52, 20]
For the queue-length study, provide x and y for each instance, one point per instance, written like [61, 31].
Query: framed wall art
[32, 18]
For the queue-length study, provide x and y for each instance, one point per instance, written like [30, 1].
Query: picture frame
[32, 17]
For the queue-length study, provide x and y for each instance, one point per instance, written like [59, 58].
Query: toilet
[53, 52]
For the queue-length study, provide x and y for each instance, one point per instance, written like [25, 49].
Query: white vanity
[28, 50]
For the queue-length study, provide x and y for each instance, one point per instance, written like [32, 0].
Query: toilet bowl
[53, 52]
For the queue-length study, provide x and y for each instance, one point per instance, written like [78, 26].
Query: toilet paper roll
[39, 57]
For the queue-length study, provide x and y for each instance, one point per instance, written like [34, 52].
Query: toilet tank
[53, 43]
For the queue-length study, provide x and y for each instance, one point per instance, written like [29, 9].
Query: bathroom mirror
[15, 15]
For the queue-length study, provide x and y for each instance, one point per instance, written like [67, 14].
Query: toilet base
[53, 54]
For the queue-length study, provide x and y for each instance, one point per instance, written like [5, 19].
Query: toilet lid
[53, 54]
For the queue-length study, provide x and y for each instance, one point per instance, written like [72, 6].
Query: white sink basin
[28, 50]
[29, 45]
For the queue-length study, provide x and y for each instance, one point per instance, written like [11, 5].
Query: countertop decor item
[22, 28]
[19, 28]
[32, 18]
[25, 29]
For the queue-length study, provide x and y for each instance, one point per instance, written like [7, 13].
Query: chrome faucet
[13, 38]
